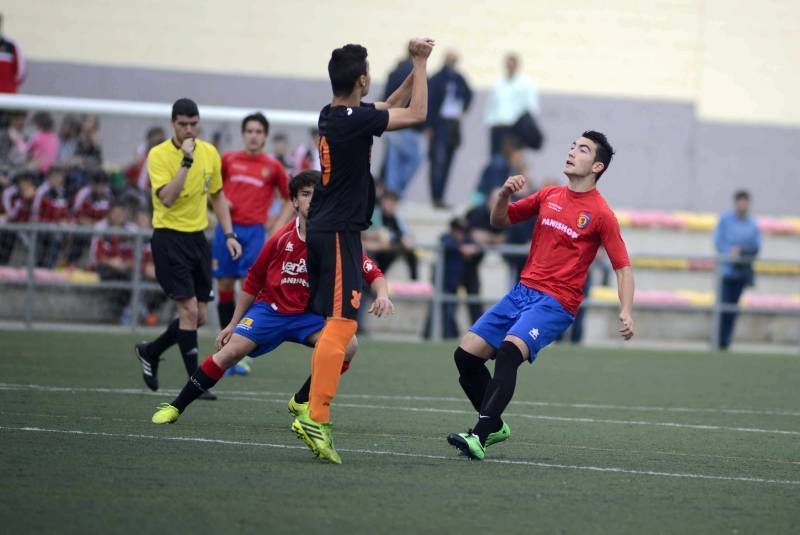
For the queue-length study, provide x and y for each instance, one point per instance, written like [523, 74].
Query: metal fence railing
[28, 234]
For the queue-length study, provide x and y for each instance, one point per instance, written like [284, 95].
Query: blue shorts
[251, 237]
[269, 329]
[526, 313]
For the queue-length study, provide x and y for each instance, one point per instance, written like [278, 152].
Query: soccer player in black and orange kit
[341, 208]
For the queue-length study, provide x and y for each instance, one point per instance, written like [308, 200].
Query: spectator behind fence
[90, 205]
[13, 142]
[459, 249]
[18, 207]
[68, 133]
[485, 235]
[737, 237]
[51, 205]
[403, 152]
[306, 156]
[512, 104]
[449, 99]
[42, 150]
[280, 150]
[389, 237]
[113, 257]
[88, 150]
[136, 171]
[508, 162]
[12, 63]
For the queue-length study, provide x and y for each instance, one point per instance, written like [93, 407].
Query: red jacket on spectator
[12, 66]
[50, 204]
[17, 209]
[106, 247]
[89, 206]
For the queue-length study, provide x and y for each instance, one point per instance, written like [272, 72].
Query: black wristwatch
[187, 162]
[229, 235]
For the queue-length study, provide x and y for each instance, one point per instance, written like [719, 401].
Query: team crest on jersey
[289, 247]
[368, 266]
[583, 219]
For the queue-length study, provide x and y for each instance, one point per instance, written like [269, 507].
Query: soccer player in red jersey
[342, 207]
[250, 180]
[271, 309]
[571, 223]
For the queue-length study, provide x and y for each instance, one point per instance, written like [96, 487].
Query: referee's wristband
[187, 162]
[229, 235]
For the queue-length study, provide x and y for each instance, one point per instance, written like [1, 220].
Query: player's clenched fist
[513, 185]
[188, 147]
[421, 47]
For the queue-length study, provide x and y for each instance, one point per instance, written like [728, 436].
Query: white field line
[615, 470]
[250, 396]
[593, 406]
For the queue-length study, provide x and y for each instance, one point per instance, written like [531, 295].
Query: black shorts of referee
[183, 264]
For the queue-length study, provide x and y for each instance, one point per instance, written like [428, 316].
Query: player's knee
[466, 362]
[508, 355]
[201, 317]
[188, 312]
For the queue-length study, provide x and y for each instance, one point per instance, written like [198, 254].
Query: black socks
[500, 390]
[163, 342]
[473, 376]
[187, 342]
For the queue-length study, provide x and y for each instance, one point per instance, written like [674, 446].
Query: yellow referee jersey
[189, 212]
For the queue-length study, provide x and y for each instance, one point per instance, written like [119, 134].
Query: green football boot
[468, 444]
[318, 437]
[504, 433]
[296, 408]
[166, 414]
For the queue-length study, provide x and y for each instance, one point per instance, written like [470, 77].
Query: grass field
[608, 441]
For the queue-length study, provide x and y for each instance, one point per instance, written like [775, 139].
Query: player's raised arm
[499, 216]
[417, 110]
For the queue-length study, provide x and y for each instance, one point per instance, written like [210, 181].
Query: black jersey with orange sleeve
[345, 197]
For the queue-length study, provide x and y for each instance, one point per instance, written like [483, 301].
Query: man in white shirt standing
[510, 99]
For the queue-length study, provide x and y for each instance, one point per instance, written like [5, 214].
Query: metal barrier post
[31, 272]
[136, 282]
[438, 286]
[716, 308]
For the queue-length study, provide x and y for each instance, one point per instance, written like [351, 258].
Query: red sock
[211, 369]
[226, 296]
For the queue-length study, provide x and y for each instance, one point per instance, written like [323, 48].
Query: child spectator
[18, 207]
[43, 148]
[50, 206]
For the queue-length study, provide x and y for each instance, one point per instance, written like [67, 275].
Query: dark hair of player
[302, 180]
[24, 176]
[741, 194]
[604, 149]
[258, 117]
[344, 68]
[185, 106]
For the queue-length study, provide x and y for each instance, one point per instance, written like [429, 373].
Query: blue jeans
[731, 292]
[403, 157]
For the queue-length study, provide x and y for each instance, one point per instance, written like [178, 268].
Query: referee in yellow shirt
[184, 172]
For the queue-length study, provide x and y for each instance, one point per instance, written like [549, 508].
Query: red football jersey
[17, 209]
[279, 276]
[570, 227]
[105, 247]
[249, 183]
[87, 205]
[50, 205]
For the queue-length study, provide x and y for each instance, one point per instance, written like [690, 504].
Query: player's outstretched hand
[234, 248]
[513, 184]
[381, 306]
[421, 47]
[626, 331]
[223, 336]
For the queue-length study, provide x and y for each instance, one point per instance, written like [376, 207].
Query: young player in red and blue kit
[271, 309]
[571, 223]
[250, 180]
